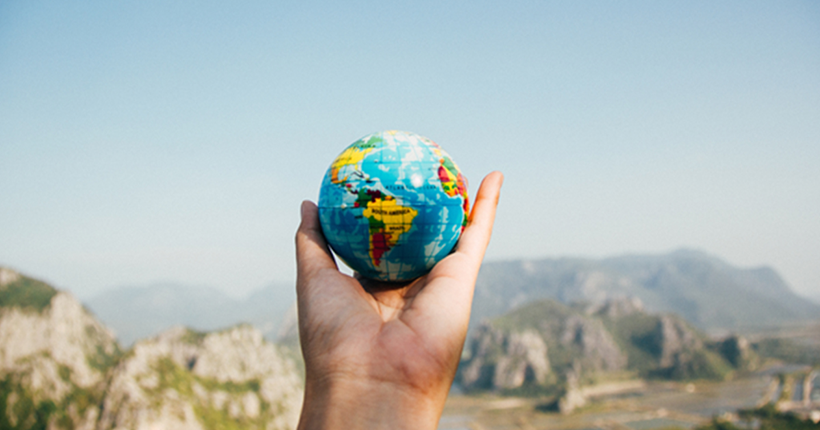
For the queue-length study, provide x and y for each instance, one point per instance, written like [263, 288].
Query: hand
[381, 355]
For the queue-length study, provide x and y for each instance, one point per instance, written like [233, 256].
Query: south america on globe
[392, 205]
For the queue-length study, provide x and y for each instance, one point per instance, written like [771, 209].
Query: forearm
[369, 405]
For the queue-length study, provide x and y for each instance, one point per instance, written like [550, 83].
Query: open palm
[359, 332]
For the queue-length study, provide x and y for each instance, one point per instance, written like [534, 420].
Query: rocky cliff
[547, 343]
[61, 369]
[54, 357]
[506, 359]
[701, 288]
[182, 379]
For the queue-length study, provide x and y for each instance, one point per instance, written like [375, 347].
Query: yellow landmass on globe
[350, 157]
[388, 221]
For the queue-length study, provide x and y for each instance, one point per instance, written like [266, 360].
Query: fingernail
[303, 209]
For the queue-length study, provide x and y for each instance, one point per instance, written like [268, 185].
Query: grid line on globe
[392, 205]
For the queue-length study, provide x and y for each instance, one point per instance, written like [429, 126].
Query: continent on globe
[388, 221]
[392, 205]
[453, 182]
[350, 158]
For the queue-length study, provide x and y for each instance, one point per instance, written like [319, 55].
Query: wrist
[367, 404]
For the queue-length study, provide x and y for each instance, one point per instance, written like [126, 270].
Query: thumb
[312, 252]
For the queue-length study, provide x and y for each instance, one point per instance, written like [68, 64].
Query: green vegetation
[549, 390]
[192, 337]
[173, 376]
[787, 382]
[703, 364]
[19, 411]
[788, 351]
[22, 412]
[64, 372]
[27, 293]
[634, 334]
[546, 317]
[764, 418]
[578, 341]
[101, 360]
[533, 315]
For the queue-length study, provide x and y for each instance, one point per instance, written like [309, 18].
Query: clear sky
[173, 141]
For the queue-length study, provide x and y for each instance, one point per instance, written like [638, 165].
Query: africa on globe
[392, 205]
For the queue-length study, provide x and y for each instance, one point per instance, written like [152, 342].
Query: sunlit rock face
[506, 360]
[674, 340]
[188, 380]
[598, 350]
[548, 347]
[53, 356]
[61, 369]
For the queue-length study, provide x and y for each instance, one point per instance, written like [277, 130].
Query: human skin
[382, 355]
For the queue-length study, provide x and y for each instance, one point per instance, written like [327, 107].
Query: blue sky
[173, 141]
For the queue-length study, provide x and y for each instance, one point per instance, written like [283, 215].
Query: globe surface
[392, 205]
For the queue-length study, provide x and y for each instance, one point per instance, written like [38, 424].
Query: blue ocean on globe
[392, 205]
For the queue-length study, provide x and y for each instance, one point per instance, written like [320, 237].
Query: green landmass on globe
[392, 205]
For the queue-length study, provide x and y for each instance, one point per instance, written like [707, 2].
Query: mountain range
[137, 312]
[703, 289]
[546, 347]
[558, 327]
[60, 368]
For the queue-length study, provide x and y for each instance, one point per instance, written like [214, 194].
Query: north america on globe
[392, 205]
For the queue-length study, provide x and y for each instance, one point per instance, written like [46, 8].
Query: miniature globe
[392, 205]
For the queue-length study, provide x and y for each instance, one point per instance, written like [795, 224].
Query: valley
[648, 405]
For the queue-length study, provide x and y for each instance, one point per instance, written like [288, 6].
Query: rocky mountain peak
[599, 351]
[738, 351]
[554, 346]
[506, 360]
[62, 369]
[64, 333]
[7, 276]
[701, 288]
[181, 378]
[616, 307]
[672, 339]
[53, 361]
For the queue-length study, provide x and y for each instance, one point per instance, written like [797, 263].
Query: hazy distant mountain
[701, 288]
[139, 312]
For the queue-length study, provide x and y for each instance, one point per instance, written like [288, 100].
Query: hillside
[548, 347]
[230, 379]
[54, 356]
[546, 338]
[60, 368]
[700, 288]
